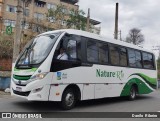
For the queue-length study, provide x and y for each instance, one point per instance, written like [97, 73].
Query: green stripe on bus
[142, 87]
[29, 70]
[150, 81]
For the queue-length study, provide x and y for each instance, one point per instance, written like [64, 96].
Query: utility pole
[116, 23]
[158, 49]
[16, 48]
[88, 19]
[120, 35]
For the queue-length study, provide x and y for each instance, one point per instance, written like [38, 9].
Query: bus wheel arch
[71, 94]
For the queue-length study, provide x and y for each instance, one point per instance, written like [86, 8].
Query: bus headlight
[38, 76]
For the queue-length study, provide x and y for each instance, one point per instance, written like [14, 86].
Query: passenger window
[138, 59]
[132, 58]
[114, 55]
[72, 49]
[123, 56]
[103, 53]
[148, 61]
[92, 51]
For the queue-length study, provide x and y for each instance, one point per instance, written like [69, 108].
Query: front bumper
[28, 92]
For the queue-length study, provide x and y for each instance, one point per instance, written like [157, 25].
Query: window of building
[65, 11]
[103, 53]
[63, 23]
[138, 59]
[51, 19]
[123, 56]
[40, 3]
[39, 16]
[132, 58]
[11, 8]
[10, 23]
[25, 25]
[92, 51]
[37, 28]
[26, 12]
[71, 12]
[51, 6]
[148, 60]
[114, 54]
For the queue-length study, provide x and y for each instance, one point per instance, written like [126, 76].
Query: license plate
[18, 89]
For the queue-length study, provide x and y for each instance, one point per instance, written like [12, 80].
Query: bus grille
[21, 93]
[22, 77]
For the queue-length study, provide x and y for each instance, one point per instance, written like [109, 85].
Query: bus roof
[98, 37]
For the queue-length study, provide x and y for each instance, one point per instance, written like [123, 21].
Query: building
[95, 26]
[34, 15]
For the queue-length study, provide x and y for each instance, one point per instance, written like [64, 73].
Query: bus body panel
[88, 91]
[56, 91]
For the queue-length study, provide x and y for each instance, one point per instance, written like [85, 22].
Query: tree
[135, 36]
[158, 67]
[77, 20]
[57, 15]
[73, 19]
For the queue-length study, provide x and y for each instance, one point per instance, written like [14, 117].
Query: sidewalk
[4, 93]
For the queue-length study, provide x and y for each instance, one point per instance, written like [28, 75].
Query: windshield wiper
[25, 54]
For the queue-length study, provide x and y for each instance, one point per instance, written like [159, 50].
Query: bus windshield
[35, 52]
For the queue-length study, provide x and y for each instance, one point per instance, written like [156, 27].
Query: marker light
[37, 90]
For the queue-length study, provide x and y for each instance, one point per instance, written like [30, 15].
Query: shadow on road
[38, 106]
[109, 101]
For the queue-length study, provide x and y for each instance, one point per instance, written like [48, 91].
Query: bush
[6, 46]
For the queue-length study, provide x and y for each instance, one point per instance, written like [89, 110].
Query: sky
[142, 14]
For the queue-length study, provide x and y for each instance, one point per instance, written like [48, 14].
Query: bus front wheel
[68, 99]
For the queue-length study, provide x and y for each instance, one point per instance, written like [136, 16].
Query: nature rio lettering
[104, 73]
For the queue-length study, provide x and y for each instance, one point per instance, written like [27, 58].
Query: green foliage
[158, 67]
[6, 46]
[158, 63]
[74, 19]
[77, 19]
[58, 15]
[1, 68]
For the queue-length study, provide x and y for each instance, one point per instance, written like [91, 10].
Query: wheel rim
[133, 93]
[69, 99]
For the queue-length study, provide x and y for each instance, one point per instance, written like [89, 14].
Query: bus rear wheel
[133, 93]
[68, 99]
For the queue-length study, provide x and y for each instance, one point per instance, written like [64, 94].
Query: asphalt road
[143, 103]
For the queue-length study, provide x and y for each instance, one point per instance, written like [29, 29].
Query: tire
[133, 93]
[68, 99]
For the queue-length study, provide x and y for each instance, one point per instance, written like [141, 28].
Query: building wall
[5, 15]
[5, 64]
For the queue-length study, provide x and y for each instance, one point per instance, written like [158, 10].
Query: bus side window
[132, 58]
[103, 53]
[72, 49]
[148, 60]
[92, 51]
[114, 55]
[123, 56]
[138, 59]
